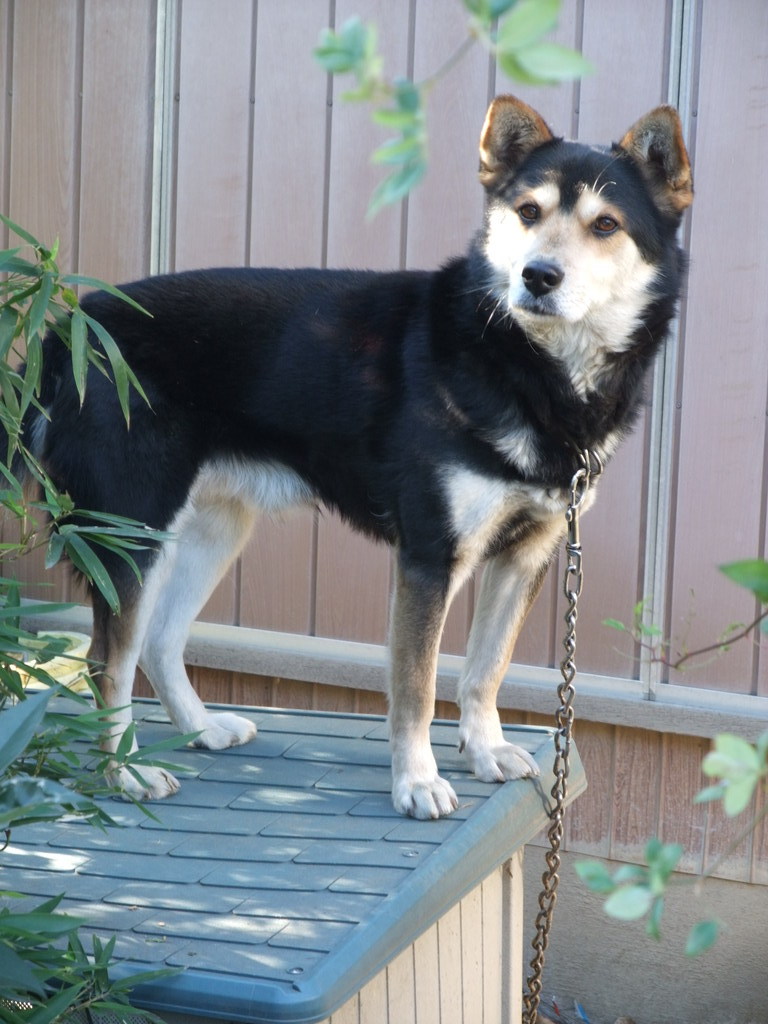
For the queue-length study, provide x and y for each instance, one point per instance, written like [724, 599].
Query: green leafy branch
[52, 761]
[512, 30]
[35, 297]
[636, 891]
[751, 573]
[739, 768]
[51, 765]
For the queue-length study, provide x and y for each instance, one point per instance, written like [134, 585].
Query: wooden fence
[165, 134]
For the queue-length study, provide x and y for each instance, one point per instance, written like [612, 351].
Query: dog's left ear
[511, 131]
[655, 142]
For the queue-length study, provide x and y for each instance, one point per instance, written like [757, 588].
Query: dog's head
[581, 239]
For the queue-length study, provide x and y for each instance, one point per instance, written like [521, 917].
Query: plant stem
[718, 646]
[450, 63]
[748, 828]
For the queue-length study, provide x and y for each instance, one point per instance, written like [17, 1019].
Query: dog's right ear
[511, 131]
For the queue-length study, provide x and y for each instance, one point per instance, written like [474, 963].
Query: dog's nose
[541, 277]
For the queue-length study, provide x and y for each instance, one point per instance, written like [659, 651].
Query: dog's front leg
[510, 583]
[418, 614]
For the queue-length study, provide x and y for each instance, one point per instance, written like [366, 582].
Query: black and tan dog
[437, 411]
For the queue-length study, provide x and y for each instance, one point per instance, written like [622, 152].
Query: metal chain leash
[589, 468]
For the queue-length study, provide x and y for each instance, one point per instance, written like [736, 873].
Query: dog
[439, 411]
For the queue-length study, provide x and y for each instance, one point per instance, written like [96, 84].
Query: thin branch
[448, 64]
[710, 648]
[746, 831]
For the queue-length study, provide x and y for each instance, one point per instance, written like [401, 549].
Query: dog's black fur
[393, 398]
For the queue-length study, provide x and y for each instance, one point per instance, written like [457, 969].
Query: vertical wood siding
[270, 166]
[719, 513]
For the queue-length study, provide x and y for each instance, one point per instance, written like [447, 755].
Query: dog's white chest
[480, 507]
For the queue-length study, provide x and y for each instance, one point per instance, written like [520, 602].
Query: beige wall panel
[286, 693]
[214, 117]
[633, 788]
[277, 573]
[449, 944]
[722, 833]
[353, 574]
[588, 825]
[628, 79]
[538, 640]
[556, 104]
[116, 152]
[472, 952]
[289, 136]
[6, 70]
[353, 584]
[680, 820]
[368, 702]
[221, 606]
[287, 229]
[373, 998]
[218, 684]
[498, 969]
[446, 210]
[722, 422]
[335, 699]
[44, 128]
[427, 980]
[760, 842]
[401, 996]
[349, 1013]
[353, 239]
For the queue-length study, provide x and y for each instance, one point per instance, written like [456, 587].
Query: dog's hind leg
[419, 607]
[510, 583]
[208, 537]
[114, 653]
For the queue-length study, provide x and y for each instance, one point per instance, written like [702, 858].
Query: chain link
[573, 578]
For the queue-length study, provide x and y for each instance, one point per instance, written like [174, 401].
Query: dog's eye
[605, 225]
[528, 213]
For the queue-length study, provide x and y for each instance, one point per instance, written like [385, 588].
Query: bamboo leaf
[124, 376]
[18, 724]
[16, 974]
[32, 373]
[104, 286]
[84, 558]
[25, 235]
[38, 310]
[79, 345]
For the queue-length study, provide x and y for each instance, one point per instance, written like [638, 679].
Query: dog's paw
[424, 798]
[225, 730]
[501, 763]
[153, 783]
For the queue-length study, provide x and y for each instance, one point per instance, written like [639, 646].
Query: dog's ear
[511, 131]
[655, 142]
